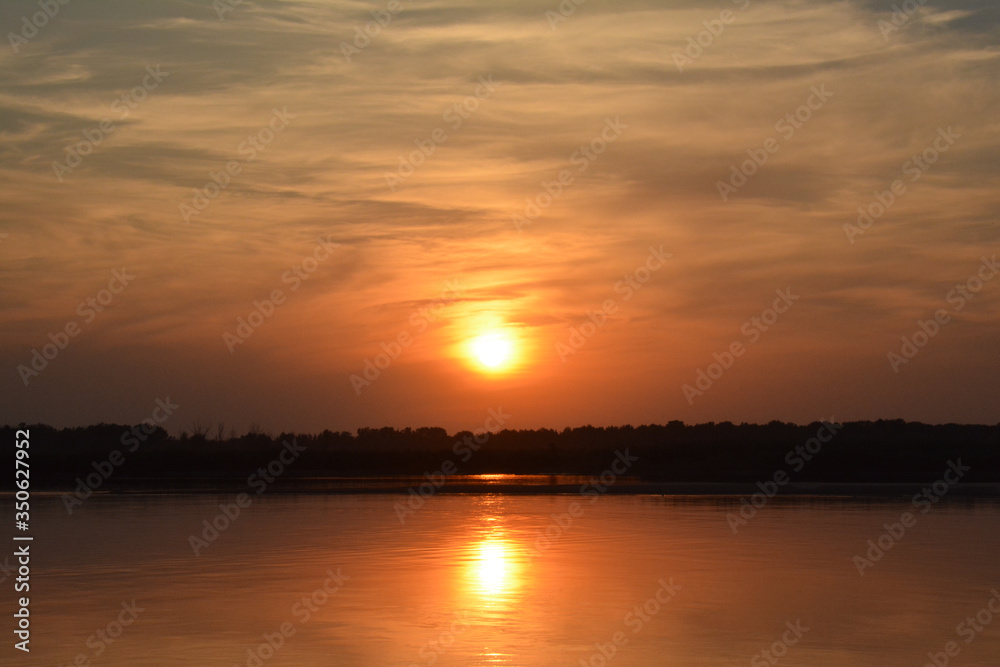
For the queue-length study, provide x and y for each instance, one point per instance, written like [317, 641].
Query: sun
[493, 350]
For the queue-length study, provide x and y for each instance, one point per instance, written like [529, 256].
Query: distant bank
[871, 458]
[673, 490]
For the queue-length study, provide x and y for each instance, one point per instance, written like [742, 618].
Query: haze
[582, 183]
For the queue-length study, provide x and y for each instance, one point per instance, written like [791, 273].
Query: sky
[260, 213]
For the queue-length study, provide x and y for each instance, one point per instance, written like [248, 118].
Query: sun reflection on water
[493, 568]
[492, 564]
[495, 562]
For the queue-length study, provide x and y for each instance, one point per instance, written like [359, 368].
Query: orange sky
[607, 131]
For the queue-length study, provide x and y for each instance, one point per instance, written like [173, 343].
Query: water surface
[507, 580]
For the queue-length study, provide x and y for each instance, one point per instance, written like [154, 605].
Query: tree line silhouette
[884, 451]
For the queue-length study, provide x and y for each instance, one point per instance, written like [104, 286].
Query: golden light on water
[493, 567]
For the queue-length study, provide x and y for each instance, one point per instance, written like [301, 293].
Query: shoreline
[389, 486]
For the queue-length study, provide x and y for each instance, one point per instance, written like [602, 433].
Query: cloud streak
[656, 184]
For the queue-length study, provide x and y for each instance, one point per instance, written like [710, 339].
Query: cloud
[353, 122]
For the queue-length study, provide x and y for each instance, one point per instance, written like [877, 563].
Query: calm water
[467, 581]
